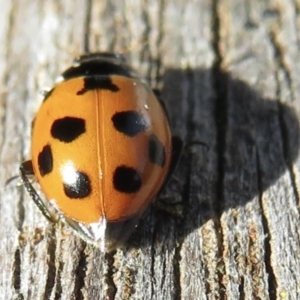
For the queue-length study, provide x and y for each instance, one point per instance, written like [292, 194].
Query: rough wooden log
[229, 73]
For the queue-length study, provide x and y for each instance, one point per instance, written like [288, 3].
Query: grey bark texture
[229, 75]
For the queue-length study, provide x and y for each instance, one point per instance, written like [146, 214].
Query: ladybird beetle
[101, 149]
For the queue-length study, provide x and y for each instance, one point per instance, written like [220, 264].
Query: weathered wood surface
[230, 76]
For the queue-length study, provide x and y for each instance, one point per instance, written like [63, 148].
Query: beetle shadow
[237, 145]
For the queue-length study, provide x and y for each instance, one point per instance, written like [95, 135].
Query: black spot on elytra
[157, 152]
[45, 160]
[67, 129]
[81, 188]
[127, 180]
[129, 122]
[98, 82]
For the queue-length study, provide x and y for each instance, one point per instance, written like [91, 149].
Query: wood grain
[229, 74]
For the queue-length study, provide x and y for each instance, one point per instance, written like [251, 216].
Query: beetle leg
[26, 171]
[177, 146]
[171, 204]
[157, 93]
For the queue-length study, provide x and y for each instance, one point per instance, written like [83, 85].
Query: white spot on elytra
[69, 173]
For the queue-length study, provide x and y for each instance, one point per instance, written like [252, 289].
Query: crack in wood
[20, 211]
[181, 230]
[220, 87]
[16, 278]
[159, 65]
[59, 279]
[111, 291]
[242, 289]
[272, 284]
[152, 267]
[177, 271]
[51, 264]
[80, 274]
[238, 258]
